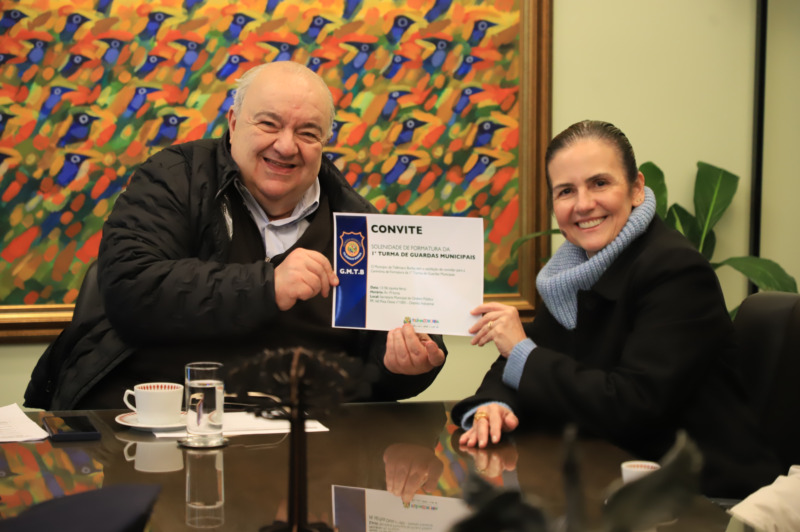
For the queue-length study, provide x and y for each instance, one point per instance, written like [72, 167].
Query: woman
[634, 341]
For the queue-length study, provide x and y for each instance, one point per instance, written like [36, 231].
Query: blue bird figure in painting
[137, 101]
[240, 20]
[111, 55]
[399, 27]
[226, 104]
[397, 63]
[391, 104]
[464, 99]
[433, 63]
[438, 9]
[74, 21]
[5, 58]
[73, 64]
[402, 164]
[10, 19]
[189, 5]
[168, 130]
[332, 156]
[271, 5]
[69, 170]
[57, 92]
[315, 62]
[350, 8]
[479, 30]
[149, 65]
[485, 132]
[78, 130]
[34, 57]
[4, 120]
[154, 21]
[285, 50]
[466, 66]
[230, 66]
[314, 28]
[356, 65]
[188, 59]
[335, 127]
[480, 166]
[407, 133]
[102, 6]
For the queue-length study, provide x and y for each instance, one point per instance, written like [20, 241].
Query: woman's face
[592, 198]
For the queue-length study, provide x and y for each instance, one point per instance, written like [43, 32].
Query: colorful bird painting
[34, 57]
[168, 130]
[69, 170]
[154, 21]
[399, 27]
[78, 130]
[318, 22]
[240, 20]
[407, 133]
[73, 23]
[10, 19]
[137, 101]
[231, 66]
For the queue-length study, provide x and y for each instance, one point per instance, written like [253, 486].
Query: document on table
[396, 269]
[381, 511]
[15, 426]
[243, 423]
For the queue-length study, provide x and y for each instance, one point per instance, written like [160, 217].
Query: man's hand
[302, 275]
[410, 468]
[409, 353]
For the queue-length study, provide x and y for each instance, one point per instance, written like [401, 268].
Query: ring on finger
[480, 415]
[491, 324]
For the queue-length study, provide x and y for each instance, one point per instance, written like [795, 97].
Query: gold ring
[480, 415]
[491, 324]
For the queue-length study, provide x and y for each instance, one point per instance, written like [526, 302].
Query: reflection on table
[401, 448]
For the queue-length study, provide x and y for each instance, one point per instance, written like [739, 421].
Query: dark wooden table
[365, 441]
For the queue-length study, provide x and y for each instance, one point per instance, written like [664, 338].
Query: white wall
[677, 77]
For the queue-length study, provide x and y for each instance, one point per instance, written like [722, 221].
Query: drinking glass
[204, 404]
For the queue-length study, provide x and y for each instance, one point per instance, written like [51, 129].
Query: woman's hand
[490, 421]
[499, 324]
[410, 468]
[493, 462]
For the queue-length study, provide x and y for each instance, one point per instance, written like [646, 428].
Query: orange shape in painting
[88, 251]
[505, 222]
[11, 191]
[20, 244]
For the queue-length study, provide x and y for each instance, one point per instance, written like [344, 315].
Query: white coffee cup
[154, 456]
[157, 403]
[636, 469]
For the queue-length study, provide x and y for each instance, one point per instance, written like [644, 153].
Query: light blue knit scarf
[569, 270]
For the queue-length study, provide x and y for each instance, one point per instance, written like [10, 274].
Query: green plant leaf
[764, 273]
[682, 220]
[709, 245]
[654, 178]
[713, 193]
[524, 238]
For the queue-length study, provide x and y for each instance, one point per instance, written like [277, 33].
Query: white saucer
[131, 419]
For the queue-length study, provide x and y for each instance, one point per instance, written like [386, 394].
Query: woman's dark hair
[594, 129]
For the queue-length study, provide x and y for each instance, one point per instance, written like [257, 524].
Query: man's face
[278, 136]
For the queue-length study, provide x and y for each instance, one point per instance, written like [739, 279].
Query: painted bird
[479, 30]
[78, 130]
[230, 66]
[149, 65]
[317, 23]
[240, 20]
[434, 62]
[315, 62]
[480, 166]
[154, 21]
[168, 131]
[335, 127]
[111, 54]
[356, 65]
[137, 101]
[391, 104]
[464, 99]
[402, 164]
[10, 19]
[73, 64]
[189, 5]
[439, 8]
[69, 170]
[74, 22]
[4, 120]
[466, 66]
[226, 104]
[407, 133]
[188, 59]
[485, 132]
[5, 58]
[271, 5]
[34, 57]
[350, 8]
[285, 50]
[397, 63]
[332, 156]
[399, 27]
[56, 94]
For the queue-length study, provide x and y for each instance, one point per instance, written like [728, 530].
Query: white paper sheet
[395, 269]
[241, 423]
[15, 426]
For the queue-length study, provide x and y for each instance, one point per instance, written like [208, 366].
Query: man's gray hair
[243, 83]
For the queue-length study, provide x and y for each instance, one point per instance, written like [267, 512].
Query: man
[222, 247]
